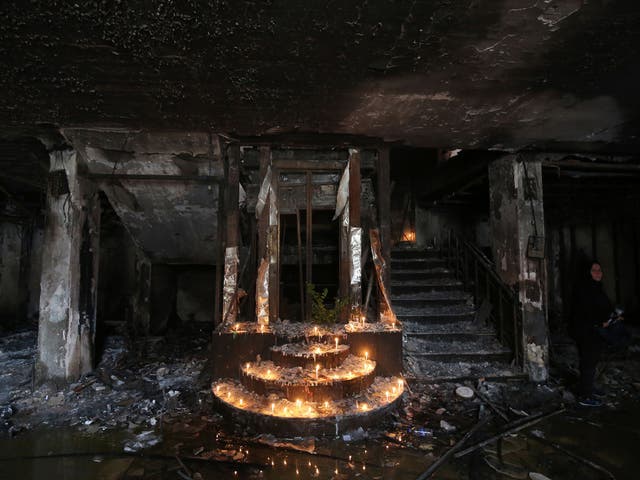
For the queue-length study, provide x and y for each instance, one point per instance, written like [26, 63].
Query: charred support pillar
[232, 233]
[268, 236]
[355, 231]
[517, 228]
[384, 209]
[69, 281]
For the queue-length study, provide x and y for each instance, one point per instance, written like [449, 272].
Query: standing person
[592, 310]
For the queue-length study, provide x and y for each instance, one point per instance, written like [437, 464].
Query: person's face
[596, 272]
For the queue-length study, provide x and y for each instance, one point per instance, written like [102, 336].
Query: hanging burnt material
[342, 201]
[386, 313]
[230, 287]
[262, 293]
[265, 188]
[355, 243]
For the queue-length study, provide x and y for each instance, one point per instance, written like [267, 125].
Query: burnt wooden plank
[355, 189]
[384, 209]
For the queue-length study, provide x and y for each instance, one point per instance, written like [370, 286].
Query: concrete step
[477, 350]
[414, 253]
[419, 275]
[464, 327]
[417, 263]
[427, 370]
[418, 286]
[426, 299]
[445, 335]
[435, 314]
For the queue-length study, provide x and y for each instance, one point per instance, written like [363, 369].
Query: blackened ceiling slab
[460, 73]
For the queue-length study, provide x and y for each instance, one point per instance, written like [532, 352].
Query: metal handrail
[478, 275]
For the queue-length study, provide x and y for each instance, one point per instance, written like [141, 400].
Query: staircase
[442, 339]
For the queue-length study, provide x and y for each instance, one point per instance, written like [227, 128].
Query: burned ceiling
[480, 74]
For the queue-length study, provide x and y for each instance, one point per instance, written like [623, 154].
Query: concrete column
[516, 215]
[68, 295]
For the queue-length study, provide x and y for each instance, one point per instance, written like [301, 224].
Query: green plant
[320, 312]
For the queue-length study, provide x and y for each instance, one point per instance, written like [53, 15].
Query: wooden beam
[599, 166]
[114, 177]
[232, 209]
[232, 231]
[319, 165]
[355, 189]
[273, 249]
[220, 239]
[263, 221]
[384, 209]
[309, 240]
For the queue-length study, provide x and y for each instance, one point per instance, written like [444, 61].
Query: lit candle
[387, 394]
[236, 327]
[273, 407]
[261, 328]
[336, 343]
[366, 357]
[393, 389]
[400, 383]
[248, 364]
[364, 407]
[298, 403]
[315, 331]
[241, 402]
[317, 368]
[286, 411]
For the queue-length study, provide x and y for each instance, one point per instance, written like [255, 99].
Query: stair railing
[478, 275]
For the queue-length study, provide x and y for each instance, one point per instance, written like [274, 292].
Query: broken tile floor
[147, 412]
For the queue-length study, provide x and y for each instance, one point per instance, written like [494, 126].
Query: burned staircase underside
[443, 338]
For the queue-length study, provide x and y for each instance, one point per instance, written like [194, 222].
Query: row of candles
[382, 392]
[352, 367]
[355, 325]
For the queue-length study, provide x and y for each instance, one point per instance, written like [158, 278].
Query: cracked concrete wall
[67, 320]
[516, 214]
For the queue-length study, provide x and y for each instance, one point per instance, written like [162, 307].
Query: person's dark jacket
[592, 308]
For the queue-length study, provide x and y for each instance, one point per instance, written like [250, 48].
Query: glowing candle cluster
[380, 394]
[351, 368]
[249, 327]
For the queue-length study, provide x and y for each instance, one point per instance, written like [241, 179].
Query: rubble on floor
[152, 402]
[131, 388]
